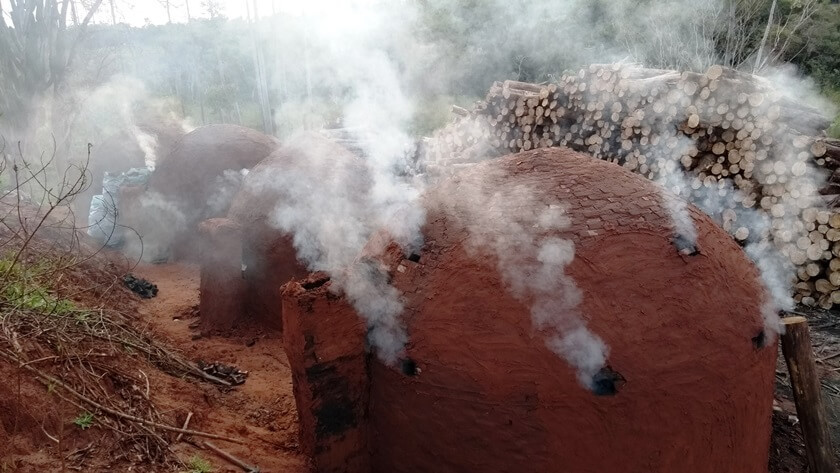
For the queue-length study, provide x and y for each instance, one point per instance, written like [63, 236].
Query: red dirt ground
[261, 411]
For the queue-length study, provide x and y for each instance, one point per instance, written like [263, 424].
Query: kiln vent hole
[607, 382]
[315, 283]
[414, 258]
[684, 246]
[409, 367]
[760, 340]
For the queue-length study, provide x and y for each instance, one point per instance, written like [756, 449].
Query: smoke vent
[607, 382]
[495, 396]
[409, 367]
[685, 246]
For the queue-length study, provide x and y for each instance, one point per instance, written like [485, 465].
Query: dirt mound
[479, 387]
[68, 340]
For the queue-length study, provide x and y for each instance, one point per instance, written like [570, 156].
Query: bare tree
[214, 8]
[760, 55]
[786, 30]
[259, 67]
[36, 52]
[165, 4]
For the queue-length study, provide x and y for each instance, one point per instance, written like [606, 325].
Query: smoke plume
[521, 231]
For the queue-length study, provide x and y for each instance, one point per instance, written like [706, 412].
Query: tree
[165, 4]
[213, 8]
[36, 52]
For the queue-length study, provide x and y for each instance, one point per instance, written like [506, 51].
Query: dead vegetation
[59, 327]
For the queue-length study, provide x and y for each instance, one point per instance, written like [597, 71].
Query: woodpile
[730, 142]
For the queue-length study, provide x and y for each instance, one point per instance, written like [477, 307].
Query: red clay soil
[188, 173]
[491, 397]
[261, 411]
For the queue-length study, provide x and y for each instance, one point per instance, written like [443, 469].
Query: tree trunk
[259, 67]
[760, 54]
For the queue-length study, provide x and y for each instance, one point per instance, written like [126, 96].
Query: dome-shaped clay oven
[268, 254]
[483, 391]
[247, 257]
[192, 175]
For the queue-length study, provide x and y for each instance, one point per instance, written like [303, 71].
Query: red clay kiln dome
[246, 257]
[188, 176]
[491, 397]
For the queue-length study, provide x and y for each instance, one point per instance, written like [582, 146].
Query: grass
[28, 287]
[199, 465]
[84, 420]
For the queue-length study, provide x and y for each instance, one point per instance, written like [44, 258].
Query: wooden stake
[796, 346]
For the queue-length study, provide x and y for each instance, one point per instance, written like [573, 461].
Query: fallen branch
[55, 381]
[232, 459]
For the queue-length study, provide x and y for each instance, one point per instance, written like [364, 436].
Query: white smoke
[332, 204]
[375, 56]
[522, 232]
[225, 188]
[158, 221]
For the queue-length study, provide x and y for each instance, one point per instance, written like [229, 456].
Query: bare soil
[261, 412]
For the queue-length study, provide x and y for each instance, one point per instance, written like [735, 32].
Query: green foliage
[817, 48]
[833, 94]
[84, 420]
[28, 287]
[199, 465]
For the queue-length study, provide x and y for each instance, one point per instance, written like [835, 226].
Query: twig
[114, 412]
[184, 427]
[147, 383]
[54, 439]
[41, 359]
[826, 358]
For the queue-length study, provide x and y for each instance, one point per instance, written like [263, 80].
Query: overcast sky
[138, 12]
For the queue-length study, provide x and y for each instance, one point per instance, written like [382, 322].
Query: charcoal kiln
[193, 175]
[248, 256]
[685, 386]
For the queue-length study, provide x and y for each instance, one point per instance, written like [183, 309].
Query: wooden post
[796, 346]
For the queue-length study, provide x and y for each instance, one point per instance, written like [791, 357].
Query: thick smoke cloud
[331, 204]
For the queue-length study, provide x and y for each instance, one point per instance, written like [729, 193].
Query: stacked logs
[732, 143]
